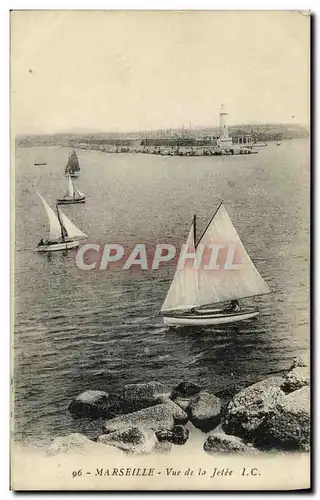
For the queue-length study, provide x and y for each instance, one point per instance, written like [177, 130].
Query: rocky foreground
[273, 414]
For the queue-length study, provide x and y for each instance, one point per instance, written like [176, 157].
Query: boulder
[227, 393]
[178, 435]
[224, 443]
[113, 406]
[91, 428]
[303, 360]
[139, 396]
[159, 417]
[205, 411]
[184, 390]
[179, 415]
[296, 378]
[95, 404]
[134, 440]
[288, 426]
[248, 410]
[88, 404]
[184, 403]
[74, 443]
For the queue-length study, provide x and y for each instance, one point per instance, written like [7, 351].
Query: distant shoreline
[166, 150]
[204, 135]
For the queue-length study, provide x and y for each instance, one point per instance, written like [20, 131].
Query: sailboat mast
[64, 232]
[194, 229]
[204, 232]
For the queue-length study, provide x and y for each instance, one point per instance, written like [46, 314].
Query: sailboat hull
[72, 174]
[54, 247]
[69, 201]
[209, 319]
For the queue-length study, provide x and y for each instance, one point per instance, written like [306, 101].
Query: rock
[303, 360]
[288, 426]
[227, 393]
[272, 381]
[178, 435]
[184, 403]
[75, 443]
[95, 404]
[134, 440]
[296, 378]
[179, 415]
[224, 443]
[248, 410]
[88, 404]
[205, 411]
[91, 428]
[113, 406]
[184, 393]
[184, 390]
[139, 396]
[159, 417]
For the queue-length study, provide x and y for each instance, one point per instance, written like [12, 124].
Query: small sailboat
[63, 233]
[72, 167]
[198, 296]
[73, 195]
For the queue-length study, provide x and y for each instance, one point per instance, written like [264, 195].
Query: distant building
[243, 140]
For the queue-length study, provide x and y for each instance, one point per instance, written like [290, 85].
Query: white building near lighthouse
[224, 141]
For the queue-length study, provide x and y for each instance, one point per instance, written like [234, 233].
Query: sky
[127, 70]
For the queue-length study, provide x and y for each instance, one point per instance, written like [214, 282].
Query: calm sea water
[78, 330]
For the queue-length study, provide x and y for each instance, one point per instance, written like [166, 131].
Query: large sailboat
[72, 167]
[198, 296]
[73, 195]
[63, 234]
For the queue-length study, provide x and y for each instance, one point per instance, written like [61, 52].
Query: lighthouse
[224, 131]
[224, 140]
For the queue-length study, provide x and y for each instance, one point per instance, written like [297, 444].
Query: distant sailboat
[196, 296]
[73, 195]
[72, 167]
[63, 233]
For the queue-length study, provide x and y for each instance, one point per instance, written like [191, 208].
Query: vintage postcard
[160, 250]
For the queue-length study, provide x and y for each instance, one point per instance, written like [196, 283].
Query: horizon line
[141, 131]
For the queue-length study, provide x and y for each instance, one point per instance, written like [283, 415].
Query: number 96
[77, 473]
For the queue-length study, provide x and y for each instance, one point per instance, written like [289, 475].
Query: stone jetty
[272, 414]
[172, 150]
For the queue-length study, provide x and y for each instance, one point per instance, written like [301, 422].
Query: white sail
[183, 291]
[73, 231]
[55, 227]
[219, 285]
[77, 192]
[70, 188]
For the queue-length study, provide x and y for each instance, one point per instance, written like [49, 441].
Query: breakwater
[149, 417]
[170, 150]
